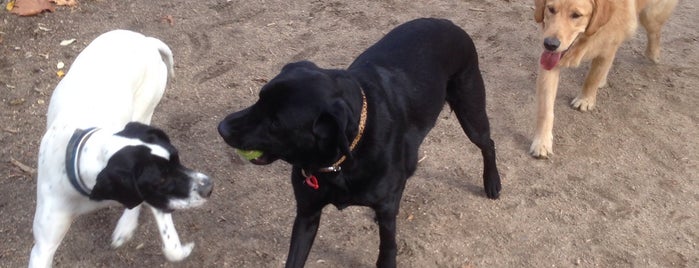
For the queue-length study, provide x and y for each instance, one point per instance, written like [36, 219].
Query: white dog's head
[149, 169]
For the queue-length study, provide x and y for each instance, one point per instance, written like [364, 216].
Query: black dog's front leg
[302, 236]
[388, 248]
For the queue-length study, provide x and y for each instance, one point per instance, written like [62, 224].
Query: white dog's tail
[165, 54]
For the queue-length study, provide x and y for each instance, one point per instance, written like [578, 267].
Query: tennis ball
[249, 154]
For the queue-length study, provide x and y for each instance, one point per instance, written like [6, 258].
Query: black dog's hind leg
[302, 236]
[466, 97]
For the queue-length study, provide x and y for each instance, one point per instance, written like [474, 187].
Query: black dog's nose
[551, 43]
[223, 129]
[205, 188]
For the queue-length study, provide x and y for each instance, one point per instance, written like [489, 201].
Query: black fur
[308, 116]
[134, 175]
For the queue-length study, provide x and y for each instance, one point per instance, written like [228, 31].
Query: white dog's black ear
[117, 181]
[145, 133]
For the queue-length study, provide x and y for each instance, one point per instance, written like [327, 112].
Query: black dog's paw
[492, 186]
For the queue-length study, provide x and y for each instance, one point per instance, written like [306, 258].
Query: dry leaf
[60, 73]
[69, 3]
[31, 7]
[168, 19]
[10, 5]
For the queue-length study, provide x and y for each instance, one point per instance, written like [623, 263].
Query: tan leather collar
[362, 124]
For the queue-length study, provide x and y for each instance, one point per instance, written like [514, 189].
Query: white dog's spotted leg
[173, 250]
[126, 226]
[50, 226]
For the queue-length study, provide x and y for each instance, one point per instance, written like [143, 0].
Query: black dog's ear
[117, 181]
[333, 121]
[299, 64]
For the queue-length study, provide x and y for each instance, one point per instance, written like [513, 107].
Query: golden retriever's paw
[653, 55]
[541, 149]
[583, 104]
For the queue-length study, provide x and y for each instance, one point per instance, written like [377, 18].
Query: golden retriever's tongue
[549, 59]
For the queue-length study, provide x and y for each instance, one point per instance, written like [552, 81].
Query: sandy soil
[621, 190]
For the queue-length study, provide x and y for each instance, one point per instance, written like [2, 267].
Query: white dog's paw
[125, 228]
[179, 252]
[541, 148]
[119, 240]
[583, 104]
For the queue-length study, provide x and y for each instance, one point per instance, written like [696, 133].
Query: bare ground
[621, 190]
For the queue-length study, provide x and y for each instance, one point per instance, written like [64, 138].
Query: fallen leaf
[168, 19]
[10, 5]
[69, 3]
[31, 7]
[60, 73]
[67, 42]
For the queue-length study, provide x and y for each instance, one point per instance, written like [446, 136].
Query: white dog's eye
[552, 10]
[575, 15]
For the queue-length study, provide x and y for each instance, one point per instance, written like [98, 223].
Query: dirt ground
[621, 190]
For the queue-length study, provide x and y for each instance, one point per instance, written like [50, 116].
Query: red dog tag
[312, 181]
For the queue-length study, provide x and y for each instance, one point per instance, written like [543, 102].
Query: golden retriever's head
[564, 20]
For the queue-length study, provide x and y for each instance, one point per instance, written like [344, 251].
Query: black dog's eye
[275, 124]
[575, 15]
[552, 10]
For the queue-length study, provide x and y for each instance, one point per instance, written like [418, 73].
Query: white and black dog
[98, 149]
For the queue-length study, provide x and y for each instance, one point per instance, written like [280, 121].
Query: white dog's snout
[204, 185]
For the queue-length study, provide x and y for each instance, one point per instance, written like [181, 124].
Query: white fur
[118, 78]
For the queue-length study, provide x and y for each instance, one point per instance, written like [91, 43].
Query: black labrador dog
[352, 136]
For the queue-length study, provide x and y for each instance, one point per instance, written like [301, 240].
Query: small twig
[22, 166]
[476, 9]
[423, 158]
[13, 131]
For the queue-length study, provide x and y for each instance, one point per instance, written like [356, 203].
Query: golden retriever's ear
[601, 14]
[539, 10]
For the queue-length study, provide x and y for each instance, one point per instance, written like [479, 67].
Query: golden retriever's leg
[652, 18]
[596, 78]
[546, 87]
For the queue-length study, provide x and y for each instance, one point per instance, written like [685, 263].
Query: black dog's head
[146, 167]
[303, 116]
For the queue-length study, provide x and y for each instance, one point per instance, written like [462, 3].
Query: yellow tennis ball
[249, 154]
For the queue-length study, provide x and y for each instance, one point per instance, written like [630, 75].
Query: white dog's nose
[205, 186]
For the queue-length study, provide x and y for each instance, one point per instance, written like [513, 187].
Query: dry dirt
[621, 190]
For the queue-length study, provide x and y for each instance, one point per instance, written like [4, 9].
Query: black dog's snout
[551, 43]
[205, 188]
[223, 129]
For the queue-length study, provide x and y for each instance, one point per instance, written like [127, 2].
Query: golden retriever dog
[587, 30]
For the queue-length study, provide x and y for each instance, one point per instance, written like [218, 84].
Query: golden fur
[575, 31]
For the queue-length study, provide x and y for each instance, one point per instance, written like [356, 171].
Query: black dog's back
[430, 43]
[425, 57]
